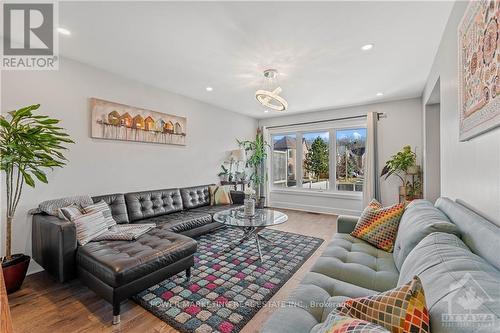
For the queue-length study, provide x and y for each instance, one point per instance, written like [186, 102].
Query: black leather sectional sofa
[116, 270]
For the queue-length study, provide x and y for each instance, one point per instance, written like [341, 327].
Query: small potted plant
[400, 165]
[29, 144]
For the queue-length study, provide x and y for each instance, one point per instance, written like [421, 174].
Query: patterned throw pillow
[220, 195]
[125, 232]
[70, 212]
[336, 323]
[379, 225]
[51, 207]
[103, 207]
[399, 310]
[89, 226]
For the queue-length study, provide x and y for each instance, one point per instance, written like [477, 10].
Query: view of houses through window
[316, 160]
[349, 163]
[284, 160]
[310, 166]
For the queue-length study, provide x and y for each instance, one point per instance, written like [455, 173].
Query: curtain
[371, 186]
[265, 188]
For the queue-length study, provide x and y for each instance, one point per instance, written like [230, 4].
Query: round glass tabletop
[262, 218]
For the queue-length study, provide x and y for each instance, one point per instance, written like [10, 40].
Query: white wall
[469, 170]
[432, 156]
[402, 126]
[100, 166]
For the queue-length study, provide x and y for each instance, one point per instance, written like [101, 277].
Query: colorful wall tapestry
[479, 67]
[123, 122]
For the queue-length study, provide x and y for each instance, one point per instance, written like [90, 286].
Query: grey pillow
[52, 207]
[125, 232]
[420, 219]
[457, 284]
[70, 212]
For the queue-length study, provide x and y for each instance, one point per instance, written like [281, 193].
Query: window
[284, 160]
[316, 160]
[319, 158]
[350, 153]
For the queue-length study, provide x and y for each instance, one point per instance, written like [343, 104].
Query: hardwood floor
[43, 305]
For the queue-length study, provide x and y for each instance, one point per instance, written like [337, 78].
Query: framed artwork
[479, 68]
[116, 121]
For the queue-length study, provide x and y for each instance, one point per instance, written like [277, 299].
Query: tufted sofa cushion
[146, 204]
[352, 260]
[420, 219]
[195, 196]
[119, 262]
[347, 267]
[117, 204]
[310, 303]
[180, 221]
[456, 282]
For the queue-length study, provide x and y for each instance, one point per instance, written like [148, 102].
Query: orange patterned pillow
[379, 225]
[399, 310]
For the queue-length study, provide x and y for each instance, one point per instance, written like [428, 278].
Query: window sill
[318, 193]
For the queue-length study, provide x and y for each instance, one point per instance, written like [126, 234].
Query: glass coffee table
[251, 225]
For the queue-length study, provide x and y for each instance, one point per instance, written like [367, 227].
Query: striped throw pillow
[402, 309]
[89, 226]
[70, 212]
[103, 207]
[379, 225]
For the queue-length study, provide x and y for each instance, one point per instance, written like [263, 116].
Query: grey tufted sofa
[452, 249]
[117, 270]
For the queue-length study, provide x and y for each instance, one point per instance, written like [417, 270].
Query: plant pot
[14, 271]
[260, 203]
[413, 170]
[402, 190]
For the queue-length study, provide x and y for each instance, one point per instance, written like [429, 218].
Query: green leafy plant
[399, 164]
[316, 160]
[29, 144]
[224, 171]
[256, 155]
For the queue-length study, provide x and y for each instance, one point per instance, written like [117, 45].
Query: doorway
[432, 145]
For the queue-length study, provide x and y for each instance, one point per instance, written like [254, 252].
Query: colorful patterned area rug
[227, 289]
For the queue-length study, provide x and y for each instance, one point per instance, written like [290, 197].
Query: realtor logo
[30, 40]
[469, 307]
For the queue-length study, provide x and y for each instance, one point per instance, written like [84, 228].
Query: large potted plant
[29, 144]
[398, 165]
[256, 151]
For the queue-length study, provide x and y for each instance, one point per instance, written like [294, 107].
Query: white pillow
[89, 226]
[103, 207]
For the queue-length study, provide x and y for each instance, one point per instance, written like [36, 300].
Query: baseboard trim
[314, 209]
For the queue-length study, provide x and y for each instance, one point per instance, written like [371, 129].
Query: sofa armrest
[346, 223]
[54, 245]
[237, 197]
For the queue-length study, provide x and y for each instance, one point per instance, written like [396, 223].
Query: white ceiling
[184, 47]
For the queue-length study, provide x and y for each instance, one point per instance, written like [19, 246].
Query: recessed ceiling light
[209, 89]
[266, 111]
[380, 94]
[367, 47]
[63, 31]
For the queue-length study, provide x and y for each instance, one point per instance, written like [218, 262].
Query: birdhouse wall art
[116, 121]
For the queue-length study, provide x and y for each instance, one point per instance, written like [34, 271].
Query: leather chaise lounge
[117, 270]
